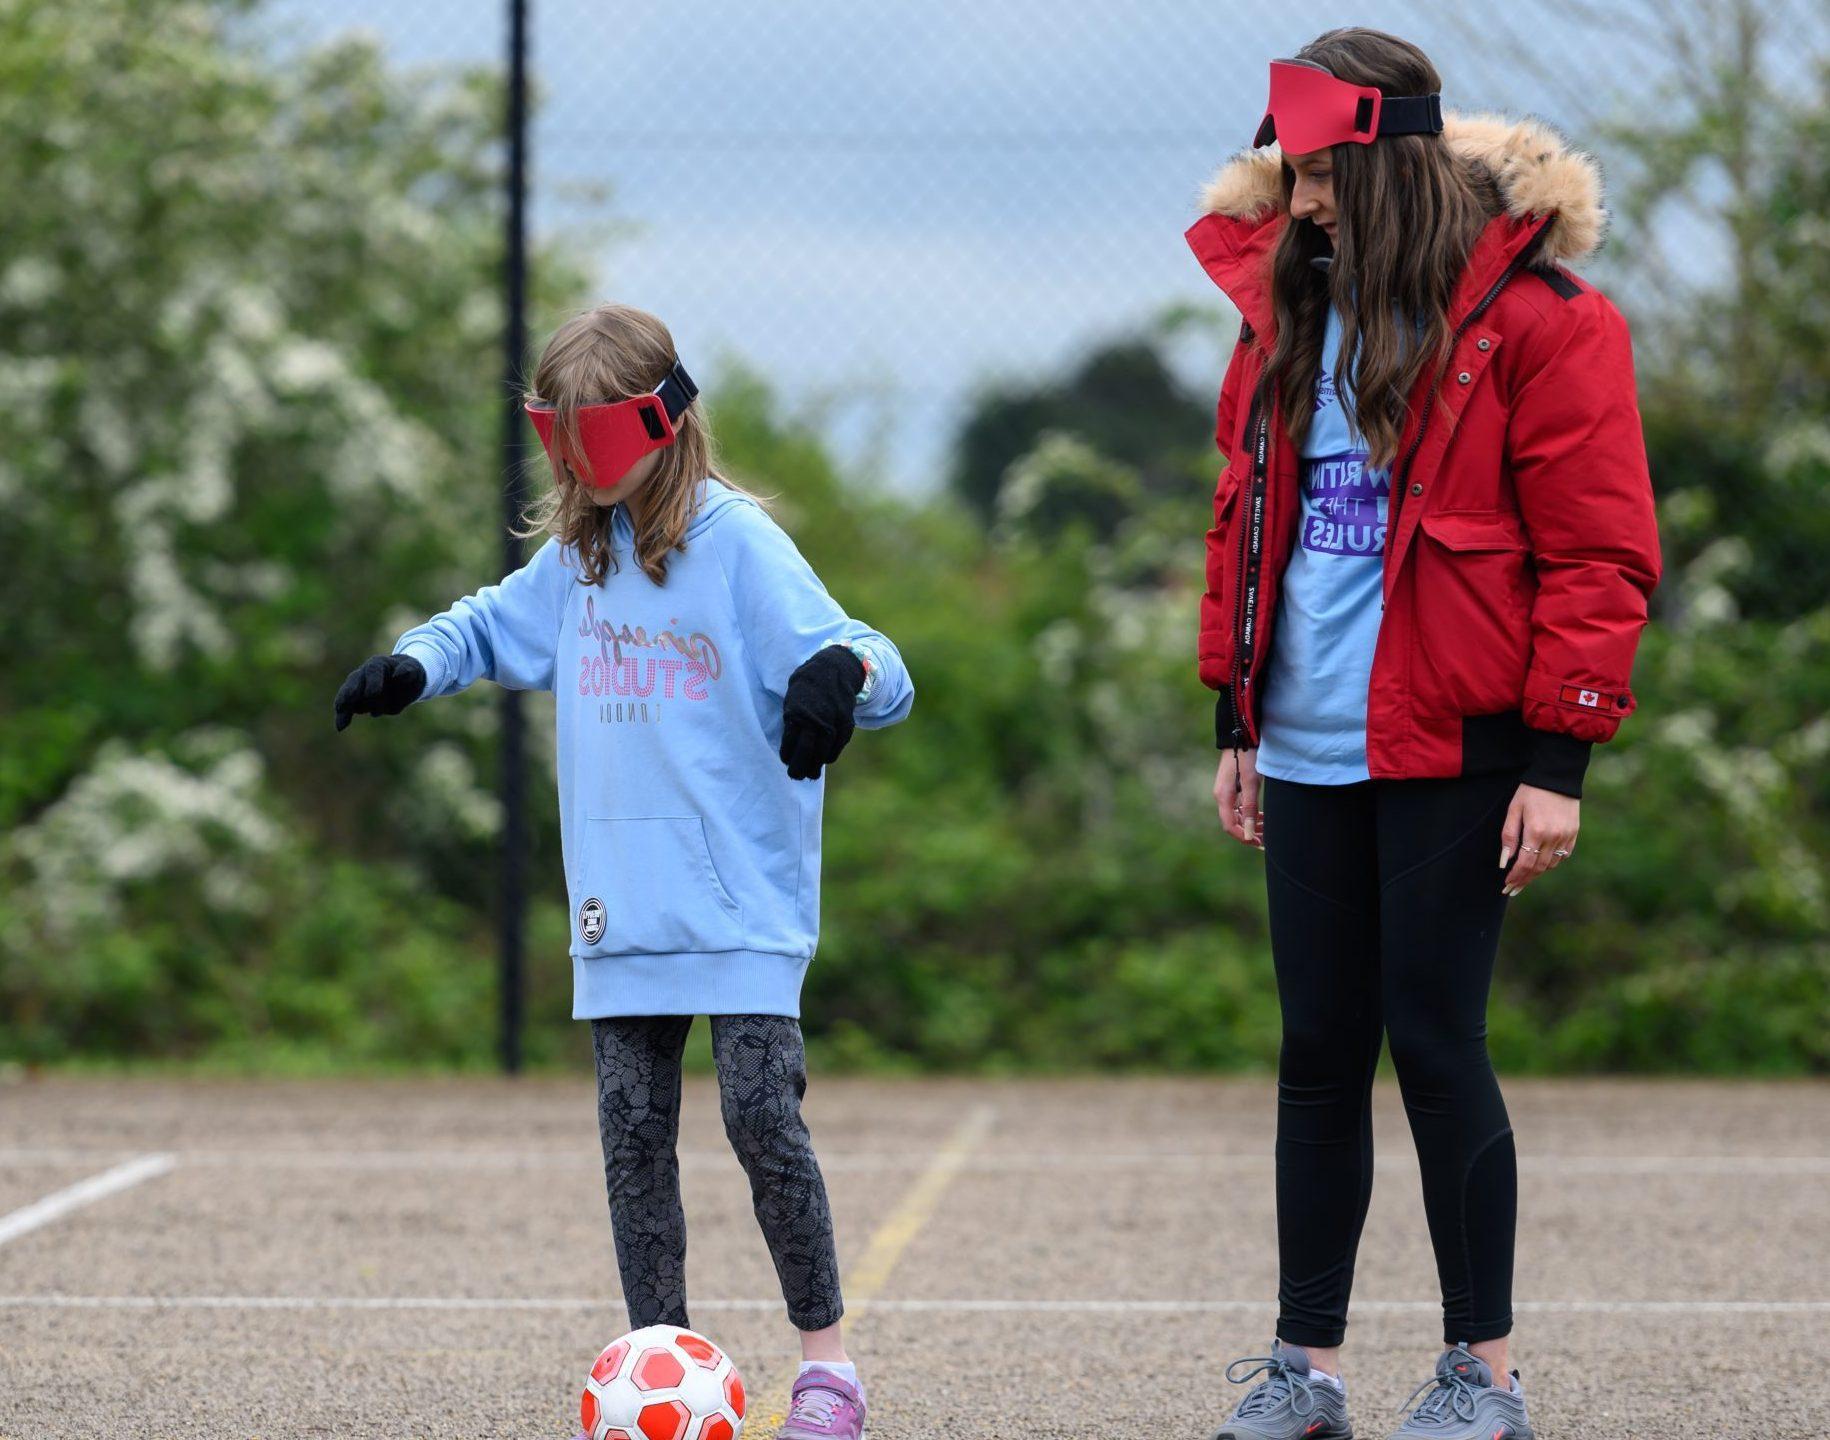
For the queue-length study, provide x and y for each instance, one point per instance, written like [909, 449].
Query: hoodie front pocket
[648, 886]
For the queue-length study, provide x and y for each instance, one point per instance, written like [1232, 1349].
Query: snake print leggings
[762, 1075]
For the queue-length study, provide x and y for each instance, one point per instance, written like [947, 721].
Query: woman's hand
[1540, 831]
[1236, 793]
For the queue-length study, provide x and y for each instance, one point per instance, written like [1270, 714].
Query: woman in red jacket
[1432, 549]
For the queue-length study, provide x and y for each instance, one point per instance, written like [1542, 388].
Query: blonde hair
[610, 353]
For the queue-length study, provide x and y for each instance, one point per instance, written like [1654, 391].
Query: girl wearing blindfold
[1432, 550]
[704, 679]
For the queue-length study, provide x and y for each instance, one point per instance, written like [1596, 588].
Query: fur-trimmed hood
[1538, 174]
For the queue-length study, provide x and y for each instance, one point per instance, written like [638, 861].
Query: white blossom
[133, 818]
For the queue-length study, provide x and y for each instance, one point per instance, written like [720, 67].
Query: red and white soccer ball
[663, 1383]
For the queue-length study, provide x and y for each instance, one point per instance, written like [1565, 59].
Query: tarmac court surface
[432, 1258]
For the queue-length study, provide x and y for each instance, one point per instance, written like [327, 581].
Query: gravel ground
[1036, 1259]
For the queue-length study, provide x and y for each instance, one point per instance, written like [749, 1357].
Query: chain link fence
[880, 207]
[251, 355]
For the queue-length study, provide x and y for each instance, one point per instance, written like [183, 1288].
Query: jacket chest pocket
[648, 886]
[1474, 593]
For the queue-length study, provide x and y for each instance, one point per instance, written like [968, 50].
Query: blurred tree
[1736, 411]
[248, 408]
[1122, 400]
[249, 349]
[1730, 759]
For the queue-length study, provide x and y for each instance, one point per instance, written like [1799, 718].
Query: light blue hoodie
[692, 860]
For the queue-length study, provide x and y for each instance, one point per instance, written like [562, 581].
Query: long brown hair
[1409, 210]
[609, 353]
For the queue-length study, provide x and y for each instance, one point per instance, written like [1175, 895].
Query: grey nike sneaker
[1464, 1405]
[1290, 1403]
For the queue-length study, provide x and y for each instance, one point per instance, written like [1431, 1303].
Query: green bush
[248, 369]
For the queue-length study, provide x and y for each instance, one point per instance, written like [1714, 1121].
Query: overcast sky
[881, 206]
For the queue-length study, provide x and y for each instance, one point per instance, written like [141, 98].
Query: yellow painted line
[866, 1280]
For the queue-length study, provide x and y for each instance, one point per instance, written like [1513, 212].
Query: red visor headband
[614, 436]
[1310, 110]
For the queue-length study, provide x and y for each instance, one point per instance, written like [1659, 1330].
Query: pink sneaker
[823, 1407]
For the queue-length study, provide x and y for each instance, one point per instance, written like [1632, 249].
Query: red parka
[1521, 546]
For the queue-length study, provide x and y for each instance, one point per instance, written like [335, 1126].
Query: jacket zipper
[1251, 556]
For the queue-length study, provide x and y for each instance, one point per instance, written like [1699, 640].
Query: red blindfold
[1310, 110]
[612, 437]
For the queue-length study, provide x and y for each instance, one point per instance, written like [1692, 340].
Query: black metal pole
[514, 352]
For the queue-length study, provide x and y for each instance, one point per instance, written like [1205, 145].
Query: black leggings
[762, 1075]
[1385, 912]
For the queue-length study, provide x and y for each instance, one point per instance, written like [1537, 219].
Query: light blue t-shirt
[1314, 718]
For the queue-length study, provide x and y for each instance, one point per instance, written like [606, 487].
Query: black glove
[817, 713]
[383, 685]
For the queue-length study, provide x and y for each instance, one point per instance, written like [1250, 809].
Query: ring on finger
[1561, 854]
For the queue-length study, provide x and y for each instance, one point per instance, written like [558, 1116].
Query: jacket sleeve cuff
[1558, 762]
[1229, 732]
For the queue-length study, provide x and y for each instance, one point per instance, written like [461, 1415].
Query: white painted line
[1730, 1165]
[84, 1192]
[962, 1306]
[340, 1302]
[875, 1161]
